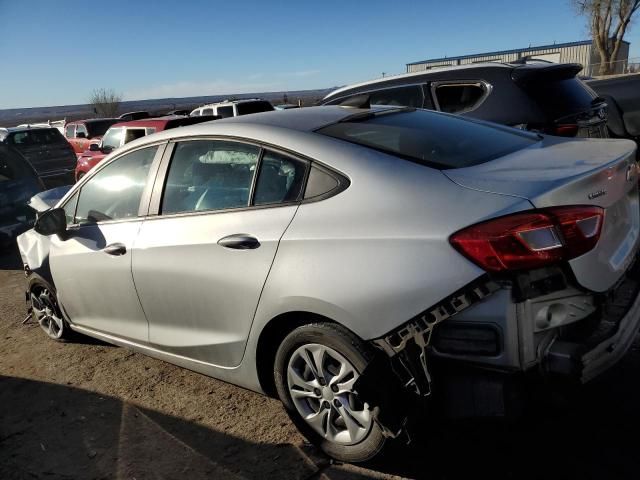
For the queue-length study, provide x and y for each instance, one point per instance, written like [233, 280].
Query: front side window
[70, 131]
[134, 133]
[280, 179]
[114, 192]
[207, 111]
[81, 129]
[113, 138]
[209, 175]
[453, 98]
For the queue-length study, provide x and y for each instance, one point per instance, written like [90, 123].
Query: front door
[200, 265]
[92, 266]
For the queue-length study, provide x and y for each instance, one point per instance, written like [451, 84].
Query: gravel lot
[90, 410]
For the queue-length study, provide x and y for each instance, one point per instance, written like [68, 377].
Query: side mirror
[94, 147]
[51, 222]
[81, 135]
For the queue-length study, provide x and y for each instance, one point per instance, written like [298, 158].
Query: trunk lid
[556, 172]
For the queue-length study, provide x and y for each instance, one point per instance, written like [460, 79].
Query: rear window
[562, 97]
[99, 127]
[37, 136]
[253, 107]
[436, 140]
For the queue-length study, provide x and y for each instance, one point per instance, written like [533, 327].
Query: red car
[82, 133]
[124, 132]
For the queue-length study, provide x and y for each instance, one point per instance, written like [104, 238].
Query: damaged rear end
[560, 293]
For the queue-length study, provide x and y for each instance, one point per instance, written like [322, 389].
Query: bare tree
[106, 102]
[608, 21]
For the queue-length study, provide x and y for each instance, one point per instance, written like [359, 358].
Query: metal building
[584, 52]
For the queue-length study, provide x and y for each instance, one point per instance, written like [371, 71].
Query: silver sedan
[347, 259]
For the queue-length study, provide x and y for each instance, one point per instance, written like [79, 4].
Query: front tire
[315, 368]
[46, 312]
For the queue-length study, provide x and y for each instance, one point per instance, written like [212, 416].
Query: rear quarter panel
[377, 254]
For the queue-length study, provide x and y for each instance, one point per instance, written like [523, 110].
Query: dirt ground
[87, 410]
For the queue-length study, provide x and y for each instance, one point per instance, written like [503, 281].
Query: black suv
[46, 149]
[18, 183]
[538, 96]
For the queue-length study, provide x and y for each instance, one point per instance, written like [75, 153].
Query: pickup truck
[622, 94]
[124, 132]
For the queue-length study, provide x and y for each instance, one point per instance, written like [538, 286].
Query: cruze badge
[597, 194]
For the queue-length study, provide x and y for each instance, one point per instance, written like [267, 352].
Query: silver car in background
[347, 259]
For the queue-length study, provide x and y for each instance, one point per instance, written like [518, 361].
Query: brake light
[532, 239]
[566, 130]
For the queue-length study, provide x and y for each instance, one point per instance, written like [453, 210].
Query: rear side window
[224, 112]
[70, 131]
[410, 96]
[209, 175]
[458, 97]
[433, 139]
[280, 179]
[253, 107]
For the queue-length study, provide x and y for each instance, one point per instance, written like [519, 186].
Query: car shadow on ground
[56, 431]
[49, 430]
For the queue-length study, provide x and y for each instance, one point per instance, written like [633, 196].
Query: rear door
[200, 264]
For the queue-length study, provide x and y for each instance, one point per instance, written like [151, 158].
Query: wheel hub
[320, 382]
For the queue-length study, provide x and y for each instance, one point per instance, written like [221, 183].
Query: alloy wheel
[47, 313]
[320, 382]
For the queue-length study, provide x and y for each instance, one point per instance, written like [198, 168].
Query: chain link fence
[620, 67]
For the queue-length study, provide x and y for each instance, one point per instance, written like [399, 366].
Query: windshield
[434, 139]
[113, 138]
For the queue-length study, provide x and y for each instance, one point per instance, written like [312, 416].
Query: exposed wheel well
[271, 338]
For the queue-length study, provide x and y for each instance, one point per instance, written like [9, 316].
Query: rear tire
[315, 368]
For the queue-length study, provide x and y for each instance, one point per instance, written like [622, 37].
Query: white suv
[233, 108]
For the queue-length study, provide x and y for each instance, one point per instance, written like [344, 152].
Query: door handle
[116, 249]
[239, 241]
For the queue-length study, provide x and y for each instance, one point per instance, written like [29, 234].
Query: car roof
[231, 102]
[299, 119]
[431, 71]
[90, 120]
[29, 127]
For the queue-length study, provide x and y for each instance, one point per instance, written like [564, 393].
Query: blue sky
[57, 52]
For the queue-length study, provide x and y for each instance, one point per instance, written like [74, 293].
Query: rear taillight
[531, 239]
[566, 130]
